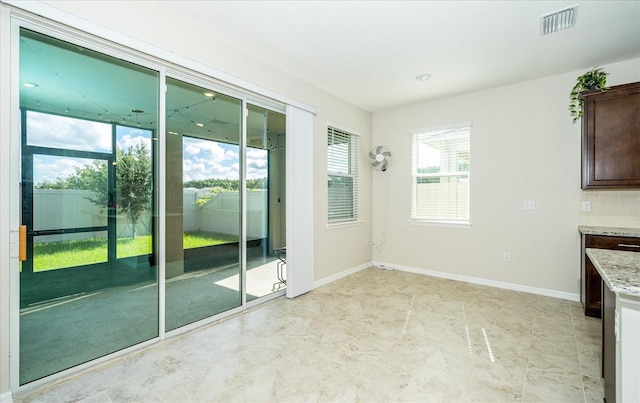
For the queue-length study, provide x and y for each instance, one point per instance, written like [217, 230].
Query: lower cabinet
[591, 283]
[593, 289]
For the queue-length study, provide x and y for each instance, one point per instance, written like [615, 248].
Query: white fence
[65, 209]
[222, 213]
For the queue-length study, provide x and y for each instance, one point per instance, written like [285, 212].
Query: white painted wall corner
[342, 274]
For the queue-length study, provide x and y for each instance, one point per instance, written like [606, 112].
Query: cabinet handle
[624, 245]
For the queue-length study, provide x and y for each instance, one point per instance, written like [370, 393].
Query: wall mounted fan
[380, 158]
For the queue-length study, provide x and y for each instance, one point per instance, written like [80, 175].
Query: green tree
[257, 184]
[92, 177]
[133, 183]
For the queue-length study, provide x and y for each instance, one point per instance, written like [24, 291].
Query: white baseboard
[476, 280]
[6, 398]
[342, 274]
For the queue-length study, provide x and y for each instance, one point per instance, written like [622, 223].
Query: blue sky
[202, 159]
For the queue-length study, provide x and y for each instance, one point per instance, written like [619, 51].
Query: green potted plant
[594, 79]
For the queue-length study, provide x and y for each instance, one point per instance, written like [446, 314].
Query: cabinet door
[593, 285]
[611, 138]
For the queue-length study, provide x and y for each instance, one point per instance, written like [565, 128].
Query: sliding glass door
[90, 193]
[265, 201]
[88, 286]
[204, 272]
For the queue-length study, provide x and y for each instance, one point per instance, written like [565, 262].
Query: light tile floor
[375, 336]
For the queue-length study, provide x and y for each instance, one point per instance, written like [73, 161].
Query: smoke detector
[558, 20]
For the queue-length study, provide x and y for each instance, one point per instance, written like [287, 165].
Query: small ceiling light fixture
[30, 85]
[200, 124]
[210, 94]
[558, 20]
[423, 77]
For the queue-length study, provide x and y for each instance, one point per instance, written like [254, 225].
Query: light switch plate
[529, 205]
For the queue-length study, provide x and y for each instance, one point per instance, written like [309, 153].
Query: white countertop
[620, 270]
[610, 231]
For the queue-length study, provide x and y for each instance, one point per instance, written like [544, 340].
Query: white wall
[523, 147]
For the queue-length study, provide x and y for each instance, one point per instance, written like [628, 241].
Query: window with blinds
[440, 169]
[342, 166]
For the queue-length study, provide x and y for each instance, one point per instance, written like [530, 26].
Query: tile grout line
[573, 326]
[526, 372]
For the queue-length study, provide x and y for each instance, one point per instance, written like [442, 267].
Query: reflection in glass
[52, 252]
[207, 197]
[134, 191]
[265, 202]
[80, 298]
[62, 132]
[204, 219]
[75, 186]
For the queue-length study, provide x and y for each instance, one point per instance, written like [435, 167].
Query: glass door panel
[203, 203]
[76, 189]
[265, 202]
[76, 185]
[79, 300]
[134, 192]
[52, 131]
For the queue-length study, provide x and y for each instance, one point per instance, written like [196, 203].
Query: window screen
[342, 169]
[440, 174]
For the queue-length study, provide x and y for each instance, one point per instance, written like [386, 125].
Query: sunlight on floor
[261, 280]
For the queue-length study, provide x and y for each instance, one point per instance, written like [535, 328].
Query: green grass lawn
[56, 255]
[201, 238]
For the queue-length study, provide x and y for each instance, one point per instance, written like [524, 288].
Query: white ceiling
[368, 52]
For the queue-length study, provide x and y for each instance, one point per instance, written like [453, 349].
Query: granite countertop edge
[620, 270]
[609, 231]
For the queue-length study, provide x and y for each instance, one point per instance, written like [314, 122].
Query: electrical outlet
[586, 206]
[529, 204]
[506, 256]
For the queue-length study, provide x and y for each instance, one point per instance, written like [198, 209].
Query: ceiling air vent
[558, 20]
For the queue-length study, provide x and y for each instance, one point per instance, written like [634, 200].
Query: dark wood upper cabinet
[611, 138]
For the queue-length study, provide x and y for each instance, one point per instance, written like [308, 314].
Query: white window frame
[462, 130]
[343, 165]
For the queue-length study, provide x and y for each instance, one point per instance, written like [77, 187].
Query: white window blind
[440, 168]
[342, 166]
